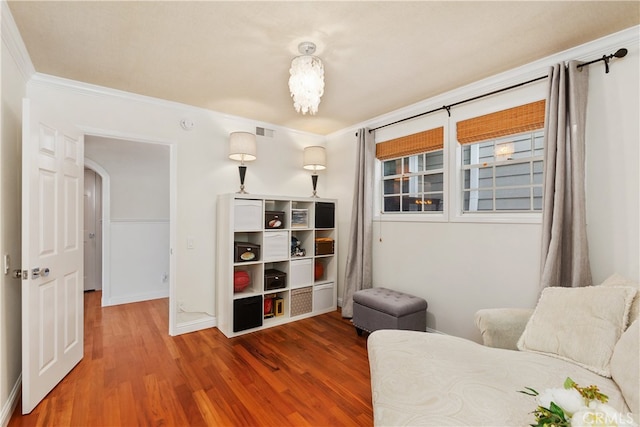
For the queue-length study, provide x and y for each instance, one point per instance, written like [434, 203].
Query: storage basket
[301, 301]
[324, 246]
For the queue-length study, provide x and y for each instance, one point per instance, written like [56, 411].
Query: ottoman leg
[358, 331]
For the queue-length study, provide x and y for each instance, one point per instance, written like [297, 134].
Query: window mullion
[501, 175]
[409, 182]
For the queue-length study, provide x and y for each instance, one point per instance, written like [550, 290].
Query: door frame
[106, 217]
[105, 240]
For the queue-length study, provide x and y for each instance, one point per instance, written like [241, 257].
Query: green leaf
[568, 383]
[555, 409]
[529, 392]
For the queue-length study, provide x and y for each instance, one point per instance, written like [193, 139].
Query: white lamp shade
[242, 146]
[314, 158]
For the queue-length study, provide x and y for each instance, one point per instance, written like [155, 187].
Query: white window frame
[520, 96]
[408, 128]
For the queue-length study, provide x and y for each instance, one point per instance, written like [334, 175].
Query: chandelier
[306, 83]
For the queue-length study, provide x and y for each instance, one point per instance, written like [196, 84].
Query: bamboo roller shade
[429, 140]
[524, 118]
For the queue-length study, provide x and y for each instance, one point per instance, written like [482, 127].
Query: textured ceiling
[233, 56]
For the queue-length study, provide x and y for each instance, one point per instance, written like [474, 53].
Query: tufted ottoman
[382, 308]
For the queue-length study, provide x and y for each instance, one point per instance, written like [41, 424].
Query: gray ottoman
[382, 308]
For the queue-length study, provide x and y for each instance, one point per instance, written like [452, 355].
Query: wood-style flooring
[313, 372]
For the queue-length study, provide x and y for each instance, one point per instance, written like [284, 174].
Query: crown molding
[47, 80]
[12, 39]
[628, 38]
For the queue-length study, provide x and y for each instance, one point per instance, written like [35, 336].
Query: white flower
[601, 415]
[569, 400]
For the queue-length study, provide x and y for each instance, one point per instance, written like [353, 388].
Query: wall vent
[264, 132]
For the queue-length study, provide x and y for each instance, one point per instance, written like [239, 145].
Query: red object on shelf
[268, 306]
[319, 270]
[241, 280]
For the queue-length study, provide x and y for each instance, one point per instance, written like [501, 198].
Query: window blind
[525, 118]
[428, 140]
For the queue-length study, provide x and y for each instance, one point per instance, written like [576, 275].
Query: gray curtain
[565, 253]
[359, 258]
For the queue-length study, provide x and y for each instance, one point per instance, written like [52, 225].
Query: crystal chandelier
[306, 83]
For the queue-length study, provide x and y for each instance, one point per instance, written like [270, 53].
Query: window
[502, 160]
[413, 172]
[503, 175]
[413, 183]
[496, 163]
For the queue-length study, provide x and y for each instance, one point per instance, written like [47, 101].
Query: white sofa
[439, 380]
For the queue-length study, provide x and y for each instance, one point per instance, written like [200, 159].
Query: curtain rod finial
[621, 53]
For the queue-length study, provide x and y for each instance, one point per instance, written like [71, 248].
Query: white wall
[13, 90]
[460, 267]
[138, 262]
[139, 177]
[613, 177]
[137, 223]
[203, 167]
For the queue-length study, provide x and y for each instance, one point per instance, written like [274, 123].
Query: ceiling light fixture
[306, 83]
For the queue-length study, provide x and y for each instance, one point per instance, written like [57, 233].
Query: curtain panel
[358, 271]
[565, 253]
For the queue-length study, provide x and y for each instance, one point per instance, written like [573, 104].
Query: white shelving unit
[286, 284]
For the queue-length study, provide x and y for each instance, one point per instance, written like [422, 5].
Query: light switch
[190, 243]
[7, 264]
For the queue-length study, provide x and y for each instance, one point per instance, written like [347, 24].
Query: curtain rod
[620, 53]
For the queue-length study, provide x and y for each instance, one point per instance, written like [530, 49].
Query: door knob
[37, 272]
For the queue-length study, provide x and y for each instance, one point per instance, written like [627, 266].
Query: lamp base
[314, 181]
[242, 169]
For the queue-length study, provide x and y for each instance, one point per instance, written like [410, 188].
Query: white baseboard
[135, 298]
[195, 325]
[10, 405]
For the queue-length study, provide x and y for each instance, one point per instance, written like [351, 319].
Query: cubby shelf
[276, 260]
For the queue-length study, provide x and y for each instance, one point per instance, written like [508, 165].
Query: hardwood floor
[313, 372]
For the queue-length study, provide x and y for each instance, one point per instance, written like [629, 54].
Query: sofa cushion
[581, 325]
[619, 280]
[625, 366]
[440, 380]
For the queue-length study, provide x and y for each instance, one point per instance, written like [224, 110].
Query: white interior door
[52, 249]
